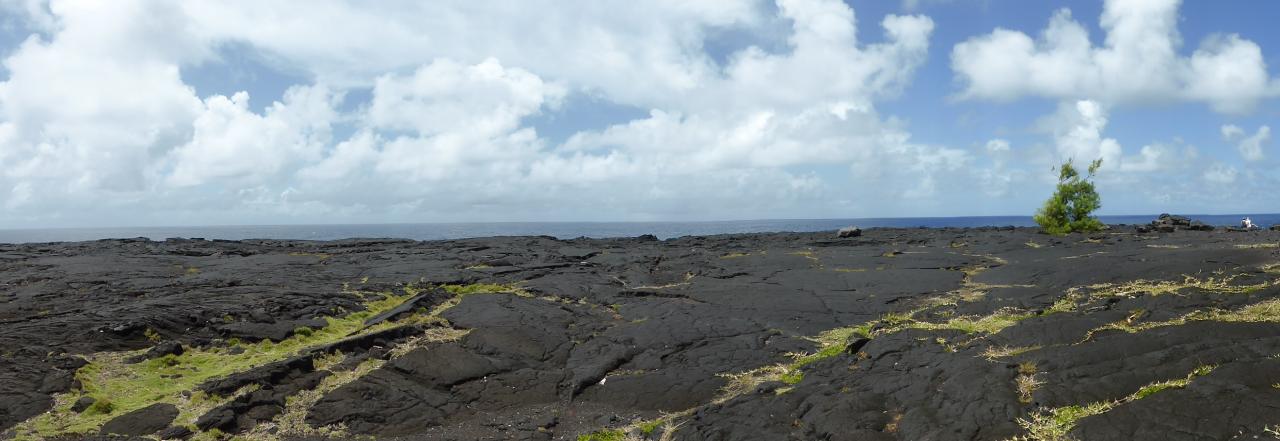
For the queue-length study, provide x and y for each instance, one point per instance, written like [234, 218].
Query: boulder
[82, 404]
[849, 232]
[157, 351]
[1275, 227]
[1199, 226]
[142, 422]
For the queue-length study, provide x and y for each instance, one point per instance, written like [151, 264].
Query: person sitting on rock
[1247, 224]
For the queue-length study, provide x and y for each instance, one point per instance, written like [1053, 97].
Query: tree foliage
[1071, 207]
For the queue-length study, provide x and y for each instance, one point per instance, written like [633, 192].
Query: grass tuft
[992, 353]
[1055, 424]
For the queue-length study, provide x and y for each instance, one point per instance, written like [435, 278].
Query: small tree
[1071, 207]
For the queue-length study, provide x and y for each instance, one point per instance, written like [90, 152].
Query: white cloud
[1250, 147]
[233, 144]
[95, 114]
[1138, 62]
[1220, 174]
[96, 119]
[90, 110]
[996, 146]
[1077, 131]
[1231, 132]
[446, 96]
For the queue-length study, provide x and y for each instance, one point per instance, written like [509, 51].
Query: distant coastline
[563, 230]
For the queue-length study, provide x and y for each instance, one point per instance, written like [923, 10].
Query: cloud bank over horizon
[119, 113]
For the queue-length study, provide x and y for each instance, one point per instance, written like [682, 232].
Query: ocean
[563, 230]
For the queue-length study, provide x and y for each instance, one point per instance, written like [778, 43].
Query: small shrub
[102, 406]
[302, 331]
[1071, 207]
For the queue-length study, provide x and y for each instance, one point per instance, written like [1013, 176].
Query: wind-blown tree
[1071, 207]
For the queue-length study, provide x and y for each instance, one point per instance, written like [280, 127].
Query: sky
[212, 112]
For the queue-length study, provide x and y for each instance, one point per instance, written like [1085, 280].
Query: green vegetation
[792, 377]
[120, 387]
[102, 406]
[989, 324]
[992, 353]
[1071, 207]
[292, 422]
[1217, 285]
[604, 435]
[1264, 311]
[1055, 424]
[648, 427]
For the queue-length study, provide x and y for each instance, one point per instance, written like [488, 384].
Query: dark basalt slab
[611, 331]
[144, 421]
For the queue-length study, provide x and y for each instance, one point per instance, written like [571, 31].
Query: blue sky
[158, 113]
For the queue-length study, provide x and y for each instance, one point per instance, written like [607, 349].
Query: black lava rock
[82, 404]
[144, 421]
[175, 432]
[1168, 223]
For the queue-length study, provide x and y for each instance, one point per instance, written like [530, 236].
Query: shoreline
[1111, 228]
[566, 230]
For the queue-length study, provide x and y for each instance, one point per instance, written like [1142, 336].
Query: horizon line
[588, 222]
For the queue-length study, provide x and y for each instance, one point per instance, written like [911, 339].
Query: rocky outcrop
[1167, 223]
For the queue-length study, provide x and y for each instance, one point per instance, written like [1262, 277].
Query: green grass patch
[1264, 311]
[120, 387]
[604, 435]
[477, 288]
[1055, 424]
[648, 427]
[989, 324]
[792, 377]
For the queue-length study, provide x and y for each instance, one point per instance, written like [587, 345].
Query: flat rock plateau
[899, 334]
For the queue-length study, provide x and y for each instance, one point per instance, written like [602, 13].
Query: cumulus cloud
[231, 143]
[1078, 132]
[1250, 147]
[95, 114]
[1138, 62]
[413, 111]
[90, 109]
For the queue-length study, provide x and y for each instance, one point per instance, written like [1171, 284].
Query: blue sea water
[564, 230]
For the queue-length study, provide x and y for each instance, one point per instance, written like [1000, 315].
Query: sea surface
[563, 230]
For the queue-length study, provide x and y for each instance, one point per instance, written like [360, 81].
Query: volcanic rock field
[899, 334]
